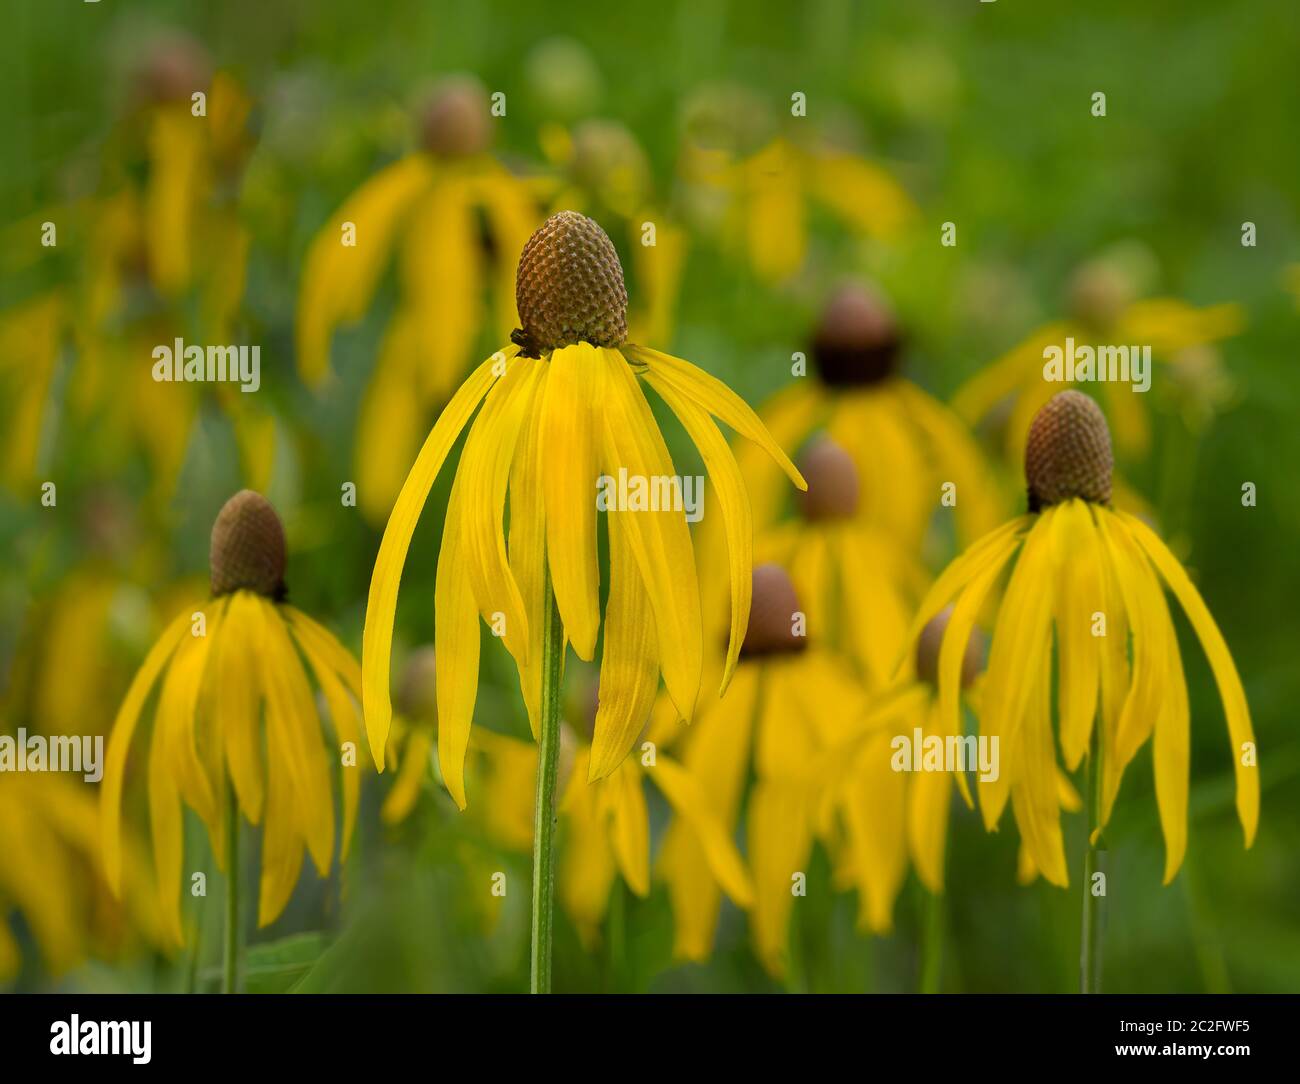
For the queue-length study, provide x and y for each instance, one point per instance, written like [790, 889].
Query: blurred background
[981, 115]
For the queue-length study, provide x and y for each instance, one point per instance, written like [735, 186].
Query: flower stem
[1094, 896]
[230, 964]
[548, 760]
[932, 943]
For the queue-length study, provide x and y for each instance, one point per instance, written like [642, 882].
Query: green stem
[1094, 901]
[932, 944]
[548, 760]
[230, 964]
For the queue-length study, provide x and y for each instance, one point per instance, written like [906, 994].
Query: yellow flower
[767, 185]
[426, 207]
[220, 666]
[1095, 575]
[52, 875]
[561, 408]
[861, 588]
[907, 447]
[1106, 310]
[792, 738]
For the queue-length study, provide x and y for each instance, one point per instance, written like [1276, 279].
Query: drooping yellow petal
[790, 416]
[527, 547]
[339, 678]
[377, 640]
[119, 744]
[780, 842]
[441, 269]
[773, 212]
[1077, 566]
[689, 801]
[658, 538]
[629, 664]
[623, 799]
[729, 488]
[176, 171]
[570, 453]
[1245, 758]
[178, 704]
[239, 705]
[1171, 757]
[1021, 640]
[339, 279]
[166, 829]
[456, 647]
[1034, 789]
[484, 472]
[929, 794]
[282, 841]
[715, 397]
[293, 732]
[587, 867]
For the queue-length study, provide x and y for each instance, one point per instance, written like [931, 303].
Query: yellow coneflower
[1105, 309]
[912, 454]
[769, 183]
[221, 666]
[792, 740]
[52, 875]
[562, 409]
[860, 587]
[426, 208]
[1094, 575]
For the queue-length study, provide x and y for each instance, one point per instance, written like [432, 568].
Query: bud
[454, 121]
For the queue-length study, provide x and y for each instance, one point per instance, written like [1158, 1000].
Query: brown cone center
[248, 548]
[772, 615]
[1068, 452]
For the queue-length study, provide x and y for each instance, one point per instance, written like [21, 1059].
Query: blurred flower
[207, 744]
[804, 789]
[860, 586]
[1095, 574]
[905, 445]
[1105, 309]
[431, 207]
[767, 192]
[52, 876]
[563, 407]
[562, 78]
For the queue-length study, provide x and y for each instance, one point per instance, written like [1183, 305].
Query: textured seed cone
[771, 615]
[857, 339]
[173, 68]
[930, 642]
[570, 286]
[416, 690]
[832, 481]
[455, 121]
[1068, 452]
[248, 548]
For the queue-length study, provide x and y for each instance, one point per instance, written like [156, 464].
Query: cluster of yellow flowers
[774, 664]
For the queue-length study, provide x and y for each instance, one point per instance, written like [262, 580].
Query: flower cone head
[771, 615]
[857, 338]
[1068, 452]
[832, 478]
[248, 549]
[570, 287]
[929, 643]
[455, 121]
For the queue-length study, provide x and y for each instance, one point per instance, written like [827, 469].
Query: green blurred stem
[548, 761]
[1093, 862]
[230, 964]
[932, 943]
